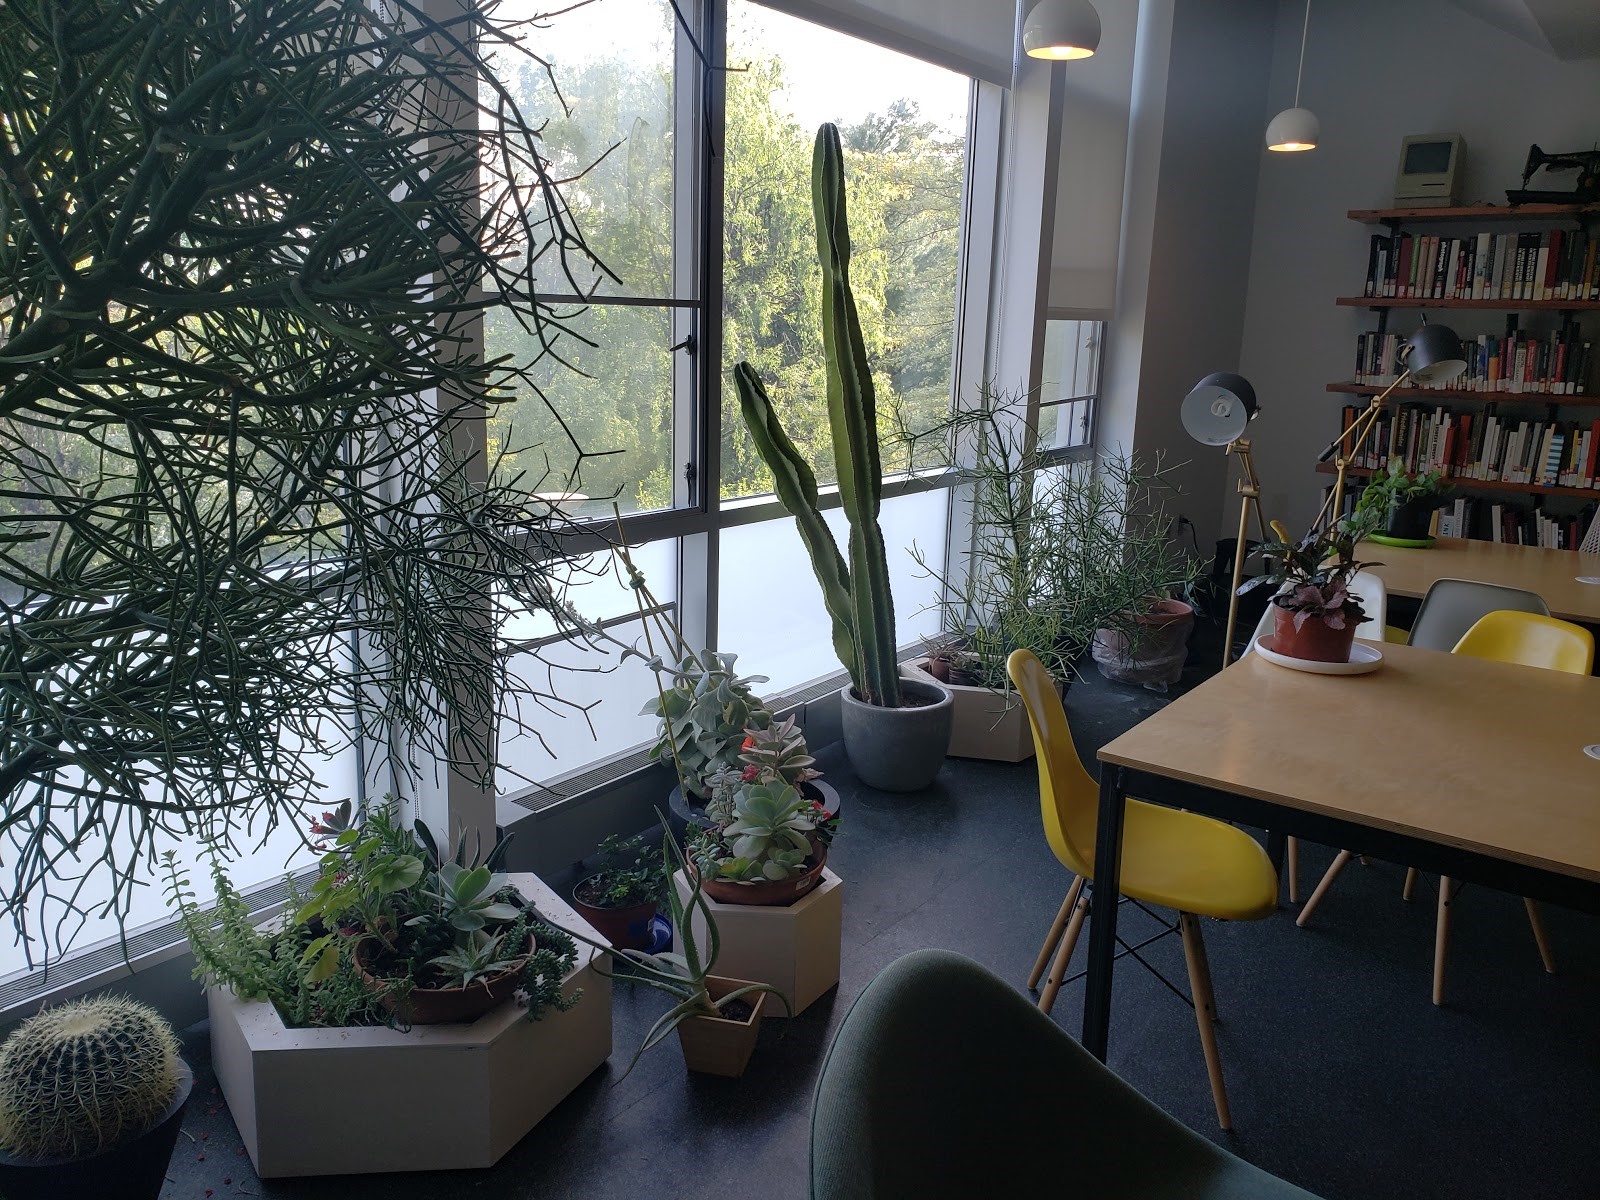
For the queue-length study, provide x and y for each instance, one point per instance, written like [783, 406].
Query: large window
[903, 124]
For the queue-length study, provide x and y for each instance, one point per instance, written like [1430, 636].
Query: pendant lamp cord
[1301, 72]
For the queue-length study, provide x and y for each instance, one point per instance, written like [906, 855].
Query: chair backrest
[1374, 597]
[1453, 606]
[1532, 640]
[1068, 797]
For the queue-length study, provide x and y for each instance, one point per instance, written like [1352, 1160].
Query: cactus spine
[856, 595]
[84, 1077]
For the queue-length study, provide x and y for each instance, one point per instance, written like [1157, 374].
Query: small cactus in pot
[84, 1077]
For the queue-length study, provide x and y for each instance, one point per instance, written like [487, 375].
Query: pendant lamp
[1060, 30]
[1296, 128]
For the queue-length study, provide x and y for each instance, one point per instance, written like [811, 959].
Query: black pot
[134, 1171]
[1410, 519]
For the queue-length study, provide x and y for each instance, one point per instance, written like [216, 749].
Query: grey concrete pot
[898, 749]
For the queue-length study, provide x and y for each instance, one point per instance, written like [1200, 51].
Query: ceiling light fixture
[1296, 128]
[1061, 30]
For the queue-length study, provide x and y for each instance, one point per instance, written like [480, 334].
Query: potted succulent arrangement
[896, 732]
[1315, 614]
[1402, 502]
[91, 1099]
[621, 899]
[767, 842]
[399, 957]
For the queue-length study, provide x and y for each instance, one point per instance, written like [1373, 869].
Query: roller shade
[973, 37]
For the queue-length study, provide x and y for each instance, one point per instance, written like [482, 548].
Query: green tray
[1383, 539]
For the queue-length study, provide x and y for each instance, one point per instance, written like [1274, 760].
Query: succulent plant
[779, 751]
[704, 715]
[85, 1077]
[770, 825]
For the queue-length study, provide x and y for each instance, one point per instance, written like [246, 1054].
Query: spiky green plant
[84, 1077]
[856, 595]
[244, 249]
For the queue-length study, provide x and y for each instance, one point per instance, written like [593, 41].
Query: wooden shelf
[1403, 394]
[1475, 212]
[1502, 305]
[1487, 485]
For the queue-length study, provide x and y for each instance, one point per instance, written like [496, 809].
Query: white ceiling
[1568, 29]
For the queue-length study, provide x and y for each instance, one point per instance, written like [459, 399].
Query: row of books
[1480, 446]
[1557, 363]
[1492, 520]
[1557, 264]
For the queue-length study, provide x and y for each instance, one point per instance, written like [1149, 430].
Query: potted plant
[1315, 614]
[1402, 502]
[702, 715]
[768, 842]
[621, 898]
[717, 1019]
[896, 732]
[91, 1099]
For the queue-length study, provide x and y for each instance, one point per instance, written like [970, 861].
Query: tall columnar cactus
[856, 595]
[84, 1077]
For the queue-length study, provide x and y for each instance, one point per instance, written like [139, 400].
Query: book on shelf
[1482, 446]
[1495, 520]
[1517, 362]
[1554, 265]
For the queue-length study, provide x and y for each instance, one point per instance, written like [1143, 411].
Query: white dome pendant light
[1296, 128]
[1061, 30]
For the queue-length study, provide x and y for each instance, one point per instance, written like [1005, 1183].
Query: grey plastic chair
[945, 1081]
[1453, 606]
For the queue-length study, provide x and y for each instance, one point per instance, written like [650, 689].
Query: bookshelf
[1525, 416]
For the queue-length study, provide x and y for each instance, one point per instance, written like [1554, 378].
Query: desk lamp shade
[1434, 355]
[1219, 407]
[1061, 29]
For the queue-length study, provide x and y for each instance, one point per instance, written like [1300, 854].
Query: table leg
[1103, 912]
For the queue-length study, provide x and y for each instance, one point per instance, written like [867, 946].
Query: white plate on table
[1363, 658]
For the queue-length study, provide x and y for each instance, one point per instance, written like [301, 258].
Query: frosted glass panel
[770, 607]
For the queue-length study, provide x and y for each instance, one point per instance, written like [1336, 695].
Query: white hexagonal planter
[347, 1101]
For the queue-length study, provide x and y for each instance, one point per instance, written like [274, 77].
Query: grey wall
[1368, 87]
[1200, 85]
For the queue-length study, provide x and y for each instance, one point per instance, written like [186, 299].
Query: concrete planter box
[794, 948]
[988, 724]
[346, 1101]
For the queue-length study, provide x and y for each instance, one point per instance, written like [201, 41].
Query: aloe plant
[856, 594]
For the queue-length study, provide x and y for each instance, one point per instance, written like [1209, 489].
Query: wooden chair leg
[1194, 953]
[1339, 864]
[1536, 920]
[1053, 938]
[1411, 883]
[1292, 853]
[1441, 939]
[1047, 999]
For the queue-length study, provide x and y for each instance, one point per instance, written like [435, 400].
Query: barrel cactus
[84, 1077]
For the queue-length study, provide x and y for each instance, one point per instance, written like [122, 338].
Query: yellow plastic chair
[1533, 641]
[1199, 866]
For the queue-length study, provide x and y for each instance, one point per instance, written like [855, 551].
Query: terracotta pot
[715, 1045]
[768, 891]
[1163, 646]
[447, 1006]
[1315, 640]
[625, 928]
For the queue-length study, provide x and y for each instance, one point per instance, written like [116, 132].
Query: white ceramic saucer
[1363, 658]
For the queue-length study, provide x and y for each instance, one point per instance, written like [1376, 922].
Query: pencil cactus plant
[856, 594]
[84, 1077]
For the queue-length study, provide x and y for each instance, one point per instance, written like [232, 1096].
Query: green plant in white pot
[896, 731]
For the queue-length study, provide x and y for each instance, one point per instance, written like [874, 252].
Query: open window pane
[608, 97]
[903, 125]
[1071, 383]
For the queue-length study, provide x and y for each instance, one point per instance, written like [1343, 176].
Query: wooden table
[1551, 573]
[1468, 767]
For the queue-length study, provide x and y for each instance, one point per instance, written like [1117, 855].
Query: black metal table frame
[1282, 821]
